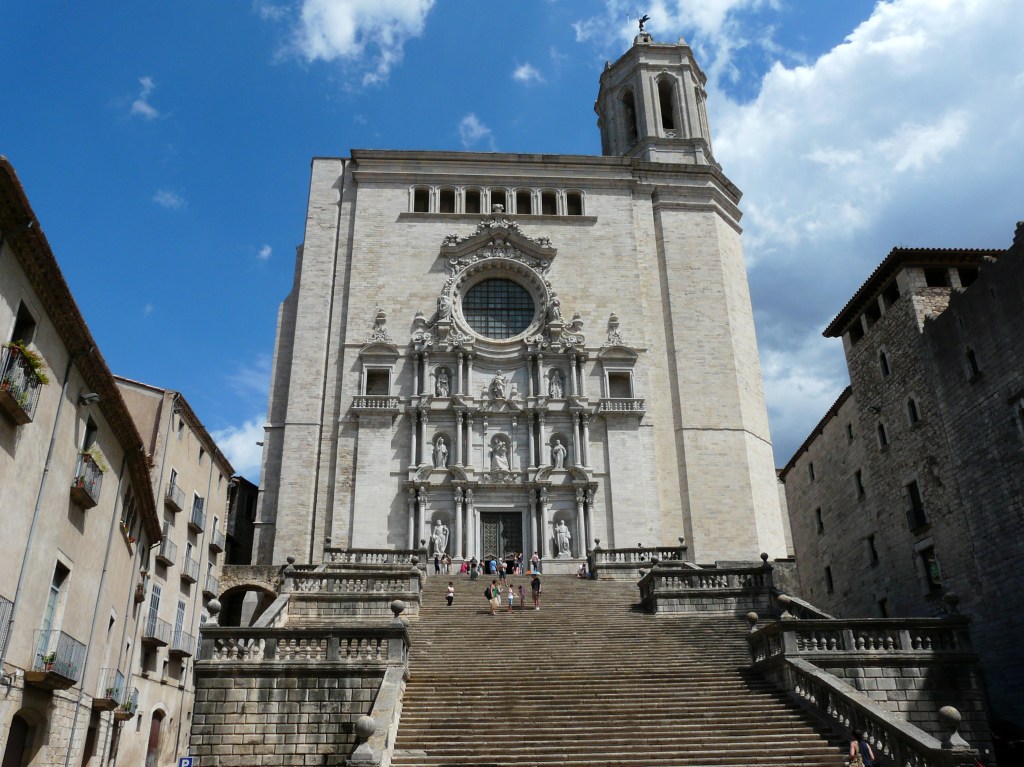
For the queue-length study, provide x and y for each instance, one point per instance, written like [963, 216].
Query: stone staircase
[590, 680]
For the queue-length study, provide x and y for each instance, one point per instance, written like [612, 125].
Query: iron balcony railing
[197, 520]
[167, 554]
[59, 653]
[126, 708]
[189, 570]
[6, 610]
[212, 586]
[85, 487]
[183, 644]
[156, 631]
[174, 498]
[20, 384]
[111, 685]
[217, 540]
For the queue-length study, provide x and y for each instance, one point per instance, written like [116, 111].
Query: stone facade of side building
[480, 351]
[910, 488]
[190, 479]
[77, 516]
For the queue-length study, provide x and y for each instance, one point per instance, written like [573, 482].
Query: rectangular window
[830, 585]
[421, 201]
[810, 471]
[129, 512]
[620, 386]
[378, 382]
[24, 326]
[916, 516]
[574, 204]
[179, 620]
[849, 432]
[936, 278]
[472, 200]
[498, 198]
[858, 483]
[883, 436]
[524, 202]
[872, 551]
[548, 204]
[912, 413]
[932, 575]
[446, 201]
[819, 520]
[883, 608]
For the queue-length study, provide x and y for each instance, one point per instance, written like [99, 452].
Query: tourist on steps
[535, 590]
[493, 596]
[451, 593]
[522, 597]
[861, 754]
[511, 596]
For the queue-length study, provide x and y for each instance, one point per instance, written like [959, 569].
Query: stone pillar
[534, 545]
[424, 458]
[458, 523]
[474, 529]
[572, 374]
[512, 463]
[581, 525]
[414, 417]
[425, 385]
[576, 455]
[545, 527]
[421, 512]
[541, 391]
[410, 503]
[483, 445]
[543, 440]
[469, 373]
[532, 444]
[529, 375]
[590, 516]
[415, 373]
[458, 438]
[469, 440]
[462, 361]
[583, 375]
[585, 458]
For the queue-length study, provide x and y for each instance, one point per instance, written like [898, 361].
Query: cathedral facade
[488, 353]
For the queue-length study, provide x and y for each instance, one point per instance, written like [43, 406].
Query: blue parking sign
[186, 761]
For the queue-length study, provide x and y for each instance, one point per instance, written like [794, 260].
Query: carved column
[425, 387]
[572, 374]
[577, 456]
[590, 516]
[474, 530]
[532, 441]
[540, 375]
[458, 522]
[423, 438]
[469, 440]
[543, 440]
[581, 525]
[534, 545]
[410, 504]
[458, 437]
[414, 417]
[585, 418]
[415, 373]
[462, 361]
[545, 522]
[512, 463]
[421, 512]
[469, 372]
[583, 375]
[484, 466]
[529, 375]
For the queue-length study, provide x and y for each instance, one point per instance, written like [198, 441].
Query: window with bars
[498, 308]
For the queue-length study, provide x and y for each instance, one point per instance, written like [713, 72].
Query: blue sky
[165, 148]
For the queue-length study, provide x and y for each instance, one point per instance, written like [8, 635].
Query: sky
[166, 147]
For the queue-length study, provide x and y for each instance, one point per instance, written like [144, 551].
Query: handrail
[374, 556]
[382, 645]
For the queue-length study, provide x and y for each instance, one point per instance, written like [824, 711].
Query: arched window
[421, 200]
[446, 201]
[498, 198]
[524, 202]
[574, 204]
[472, 200]
[667, 102]
[629, 117]
[548, 203]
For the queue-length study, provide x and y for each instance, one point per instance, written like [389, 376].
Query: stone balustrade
[380, 645]
[376, 403]
[678, 587]
[626, 564]
[336, 556]
[898, 742]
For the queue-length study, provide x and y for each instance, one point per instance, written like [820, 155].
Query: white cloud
[147, 310]
[141, 105]
[168, 199]
[367, 35]
[252, 379]
[526, 74]
[270, 11]
[264, 253]
[473, 132]
[239, 444]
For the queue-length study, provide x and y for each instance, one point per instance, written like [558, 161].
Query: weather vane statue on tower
[643, 20]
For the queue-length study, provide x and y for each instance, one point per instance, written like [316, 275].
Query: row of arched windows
[529, 202]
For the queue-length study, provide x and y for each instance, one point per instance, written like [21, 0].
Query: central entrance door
[501, 533]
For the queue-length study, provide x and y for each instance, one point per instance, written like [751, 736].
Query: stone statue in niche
[442, 387]
[440, 454]
[499, 455]
[577, 323]
[555, 388]
[558, 453]
[554, 308]
[562, 538]
[444, 307]
[439, 537]
[499, 386]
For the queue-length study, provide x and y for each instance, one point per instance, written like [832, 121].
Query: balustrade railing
[88, 479]
[706, 580]
[59, 653]
[20, 384]
[349, 583]
[111, 685]
[374, 556]
[638, 555]
[381, 645]
[375, 402]
[616, 405]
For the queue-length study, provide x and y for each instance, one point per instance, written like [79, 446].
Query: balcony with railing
[85, 487]
[183, 645]
[217, 541]
[126, 708]
[156, 632]
[189, 570]
[111, 690]
[197, 519]
[20, 385]
[167, 554]
[631, 406]
[58, 661]
[6, 611]
[211, 589]
[174, 498]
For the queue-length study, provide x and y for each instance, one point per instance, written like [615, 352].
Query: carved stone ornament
[492, 225]
[614, 336]
[380, 331]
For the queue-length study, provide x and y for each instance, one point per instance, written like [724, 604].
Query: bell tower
[651, 104]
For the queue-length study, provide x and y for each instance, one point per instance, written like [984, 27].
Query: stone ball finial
[398, 607]
[415, 560]
[655, 560]
[597, 543]
[213, 607]
[423, 541]
[952, 600]
[950, 719]
[784, 603]
[752, 619]
[682, 540]
[327, 540]
[764, 558]
[290, 560]
[365, 727]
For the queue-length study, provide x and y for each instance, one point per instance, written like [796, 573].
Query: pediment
[618, 353]
[498, 234]
[379, 350]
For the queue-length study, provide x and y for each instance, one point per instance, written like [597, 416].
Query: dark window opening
[858, 481]
[883, 436]
[872, 313]
[524, 202]
[421, 200]
[620, 386]
[936, 278]
[810, 470]
[872, 550]
[24, 326]
[883, 608]
[473, 201]
[498, 308]
[830, 585]
[446, 201]
[667, 104]
[820, 522]
[912, 413]
[856, 332]
[849, 432]
[90, 434]
[378, 382]
[574, 204]
[932, 575]
[883, 363]
[498, 198]
[967, 275]
[891, 294]
[548, 204]
[916, 517]
[972, 363]
[629, 117]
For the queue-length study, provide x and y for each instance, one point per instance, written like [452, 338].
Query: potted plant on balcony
[48, 660]
[94, 452]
